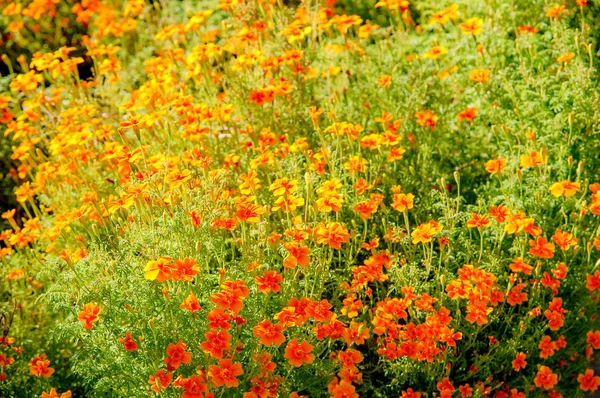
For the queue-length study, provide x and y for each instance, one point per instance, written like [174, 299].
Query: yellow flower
[435, 52]
[564, 188]
[472, 26]
[566, 57]
[480, 75]
[425, 233]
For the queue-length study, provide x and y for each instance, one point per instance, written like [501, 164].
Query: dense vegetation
[318, 198]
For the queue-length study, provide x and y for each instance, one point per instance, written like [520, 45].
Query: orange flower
[541, 248]
[472, 26]
[547, 347]
[500, 213]
[403, 202]
[564, 240]
[319, 310]
[176, 355]
[596, 242]
[89, 315]
[566, 57]
[194, 386]
[6, 360]
[184, 270]
[477, 312]
[216, 342]
[528, 29]
[228, 300]
[269, 333]
[269, 282]
[518, 265]
[366, 208]
[288, 203]
[160, 269]
[480, 75]
[427, 118]
[410, 393]
[128, 342]
[478, 221]
[298, 255]
[249, 212]
[468, 114]
[519, 362]
[160, 380]
[533, 159]
[40, 366]
[299, 353]
[385, 81]
[588, 382]
[593, 337]
[516, 295]
[54, 394]
[545, 378]
[564, 188]
[593, 281]
[555, 11]
[191, 303]
[334, 234]
[226, 373]
[26, 81]
[344, 389]
[495, 166]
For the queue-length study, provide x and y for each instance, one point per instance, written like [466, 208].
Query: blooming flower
[587, 381]
[425, 233]
[269, 282]
[89, 315]
[269, 333]
[332, 234]
[545, 378]
[160, 380]
[519, 362]
[299, 353]
[472, 26]
[176, 355]
[128, 342]
[225, 373]
[40, 366]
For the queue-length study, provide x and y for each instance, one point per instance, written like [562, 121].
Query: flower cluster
[257, 199]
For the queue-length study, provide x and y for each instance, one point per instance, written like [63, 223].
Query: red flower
[128, 342]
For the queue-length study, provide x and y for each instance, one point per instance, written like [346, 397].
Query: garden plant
[317, 198]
